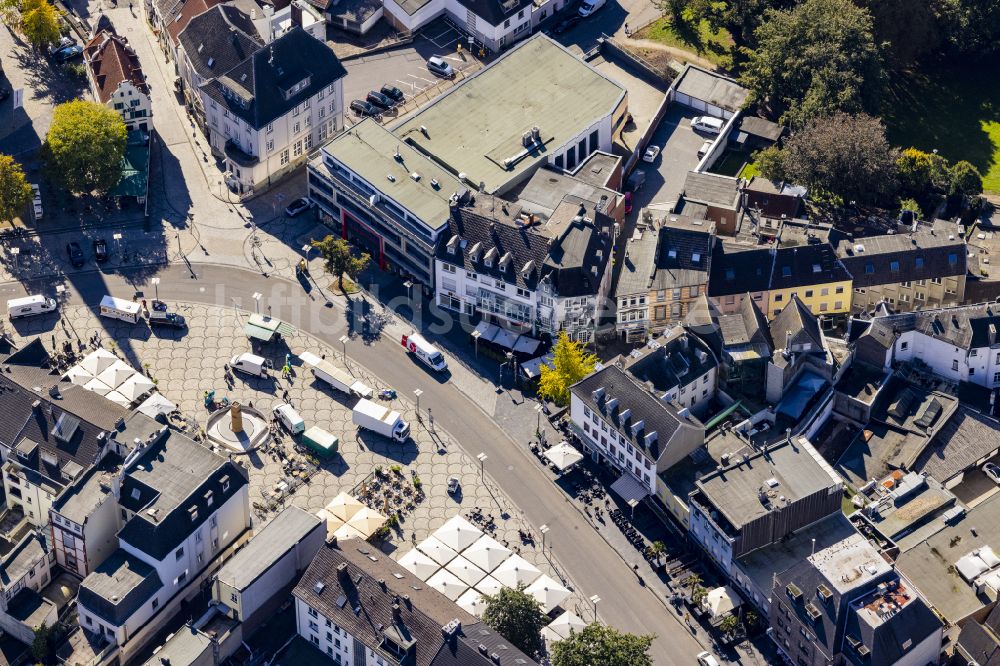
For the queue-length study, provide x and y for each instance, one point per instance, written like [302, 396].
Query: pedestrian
[430, 418]
[626, 31]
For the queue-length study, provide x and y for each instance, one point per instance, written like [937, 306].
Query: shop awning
[563, 456]
[721, 600]
[533, 368]
[629, 488]
[526, 345]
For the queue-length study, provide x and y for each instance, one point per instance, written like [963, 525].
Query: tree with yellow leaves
[570, 363]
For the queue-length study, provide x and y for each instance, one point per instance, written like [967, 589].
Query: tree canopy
[15, 192]
[85, 146]
[339, 258]
[813, 60]
[518, 617]
[39, 23]
[570, 363]
[597, 644]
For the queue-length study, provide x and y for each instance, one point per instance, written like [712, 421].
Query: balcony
[237, 156]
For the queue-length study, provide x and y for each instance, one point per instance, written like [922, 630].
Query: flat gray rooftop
[267, 546]
[479, 123]
[850, 563]
[640, 257]
[710, 87]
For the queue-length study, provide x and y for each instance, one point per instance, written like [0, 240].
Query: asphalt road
[589, 561]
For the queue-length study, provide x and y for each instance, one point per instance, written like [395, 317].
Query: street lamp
[595, 600]
[156, 287]
[343, 341]
[544, 529]
[256, 297]
[15, 251]
[538, 419]
[482, 457]
[418, 393]
[117, 238]
[475, 338]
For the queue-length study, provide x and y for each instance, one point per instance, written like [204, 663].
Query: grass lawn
[731, 163]
[749, 170]
[697, 38]
[955, 110]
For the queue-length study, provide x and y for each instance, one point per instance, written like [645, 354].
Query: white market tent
[468, 572]
[344, 506]
[489, 586]
[721, 600]
[563, 626]
[156, 405]
[367, 521]
[516, 571]
[98, 361]
[437, 551]
[115, 396]
[332, 522]
[548, 592]
[419, 564]
[136, 386]
[95, 385]
[447, 584]
[563, 456]
[472, 602]
[458, 533]
[487, 553]
[116, 373]
[347, 531]
[78, 375]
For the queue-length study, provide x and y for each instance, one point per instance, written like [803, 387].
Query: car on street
[628, 203]
[393, 93]
[706, 124]
[68, 53]
[363, 108]
[707, 659]
[166, 319]
[298, 207]
[75, 254]
[566, 24]
[378, 99]
[651, 153]
[438, 66]
[992, 472]
[100, 250]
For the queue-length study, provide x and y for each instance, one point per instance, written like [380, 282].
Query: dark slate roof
[119, 587]
[966, 326]
[900, 257]
[760, 127]
[796, 323]
[885, 637]
[174, 475]
[254, 89]
[803, 265]
[737, 269]
[571, 251]
[982, 641]
[495, 12]
[361, 600]
[675, 264]
[966, 437]
[657, 415]
[224, 35]
[712, 189]
[672, 360]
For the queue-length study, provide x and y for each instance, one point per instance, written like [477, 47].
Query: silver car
[438, 66]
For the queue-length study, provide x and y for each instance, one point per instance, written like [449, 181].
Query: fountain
[245, 430]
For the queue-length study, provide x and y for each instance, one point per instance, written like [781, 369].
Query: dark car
[378, 99]
[298, 207]
[167, 319]
[68, 53]
[75, 254]
[363, 108]
[393, 93]
[566, 24]
[100, 250]
[628, 202]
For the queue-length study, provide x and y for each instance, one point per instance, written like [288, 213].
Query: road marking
[407, 83]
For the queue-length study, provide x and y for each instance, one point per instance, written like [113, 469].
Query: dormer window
[453, 244]
[696, 257]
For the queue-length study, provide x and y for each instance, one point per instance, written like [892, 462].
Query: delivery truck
[382, 420]
[337, 378]
[430, 355]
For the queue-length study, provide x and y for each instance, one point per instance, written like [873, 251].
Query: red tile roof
[190, 9]
[111, 61]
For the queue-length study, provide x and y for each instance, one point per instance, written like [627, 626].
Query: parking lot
[679, 154]
[976, 487]
[405, 68]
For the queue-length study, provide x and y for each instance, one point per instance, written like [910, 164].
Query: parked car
[705, 147]
[68, 53]
[588, 7]
[706, 124]
[298, 207]
[60, 45]
[566, 24]
[166, 319]
[707, 659]
[650, 154]
[378, 99]
[628, 203]
[393, 93]
[363, 108]
[75, 254]
[452, 485]
[100, 250]
[438, 66]
[992, 472]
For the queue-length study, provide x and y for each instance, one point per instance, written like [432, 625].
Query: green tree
[750, 619]
[41, 645]
[658, 548]
[339, 258]
[813, 60]
[85, 146]
[518, 617]
[39, 23]
[739, 17]
[915, 167]
[729, 624]
[970, 27]
[597, 644]
[910, 205]
[15, 192]
[966, 179]
[909, 29]
[847, 155]
[570, 364]
[771, 163]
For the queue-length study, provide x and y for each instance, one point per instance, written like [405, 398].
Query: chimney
[396, 616]
[342, 572]
[296, 14]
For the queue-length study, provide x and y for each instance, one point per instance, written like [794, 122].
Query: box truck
[425, 351]
[339, 379]
[30, 306]
[382, 420]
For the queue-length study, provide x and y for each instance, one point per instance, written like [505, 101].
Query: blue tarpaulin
[797, 397]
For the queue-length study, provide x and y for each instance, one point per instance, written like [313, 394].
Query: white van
[588, 7]
[289, 418]
[119, 308]
[707, 124]
[425, 351]
[251, 364]
[30, 306]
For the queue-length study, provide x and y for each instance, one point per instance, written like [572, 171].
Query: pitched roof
[749, 326]
[966, 326]
[24, 556]
[683, 256]
[188, 10]
[963, 439]
[890, 636]
[711, 87]
[738, 269]
[219, 39]
[273, 80]
[175, 475]
[982, 641]
[675, 359]
[712, 189]
[119, 587]
[112, 61]
[637, 266]
[495, 11]
[796, 324]
[805, 265]
[889, 259]
[360, 599]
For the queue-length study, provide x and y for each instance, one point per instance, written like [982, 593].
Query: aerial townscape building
[499, 333]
